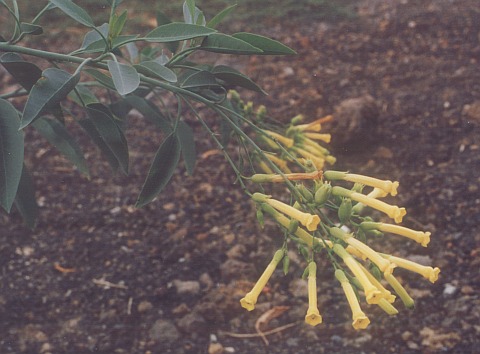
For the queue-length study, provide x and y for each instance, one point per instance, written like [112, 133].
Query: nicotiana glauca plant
[133, 71]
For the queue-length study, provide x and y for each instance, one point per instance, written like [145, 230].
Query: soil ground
[99, 276]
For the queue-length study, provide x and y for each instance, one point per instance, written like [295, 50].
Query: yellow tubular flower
[372, 294]
[363, 248]
[387, 186]
[385, 267]
[418, 236]
[248, 302]
[392, 211]
[281, 164]
[312, 317]
[360, 320]
[317, 161]
[429, 273]
[317, 136]
[314, 126]
[389, 297]
[264, 167]
[376, 193]
[306, 219]
[303, 235]
[283, 139]
[400, 290]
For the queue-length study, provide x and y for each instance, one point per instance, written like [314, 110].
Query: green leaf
[117, 24]
[214, 22]
[57, 135]
[100, 45]
[25, 199]
[161, 171]
[200, 79]
[225, 44]
[187, 143]
[176, 31]
[30, 28]
[189, 11]
[94, 36]
[74, 11]
[49, 90]
[155, 69]
[103, 79]
[150, 112]
[236, 78]
[125, 77]
[85, 94]
[267, 45]
[107, 135]
[26, 73]
[11, 154]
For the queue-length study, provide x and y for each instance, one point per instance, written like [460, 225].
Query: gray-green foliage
[134, 76]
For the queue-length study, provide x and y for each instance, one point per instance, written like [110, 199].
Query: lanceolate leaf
[176, 31]
[30, 28]
[26, 73]
[25, 199]
[235, 78]
[220, 16]
[267, 45]
[74, 11]
[187, 143]
[161, 170]
[11, 154]
[125, 77]
[155, 69]
[150, 112]
[225, 44]
[103, 79]
[94, 35]
[106, 134]
[200, 79]
[50, 89]
[57, 135]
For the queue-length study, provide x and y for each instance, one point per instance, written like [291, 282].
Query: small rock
[236, 251]
[192, 322]
[191, 287]
[472, 111]
[449, 289]
[46, 348]
[355, 123]
[206, 280]
[164, 332]
[144, 306]
[215, 348]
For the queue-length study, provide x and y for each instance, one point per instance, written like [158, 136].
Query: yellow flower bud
[387, 186]
[317, 136]
[248, 302]
[400, 290]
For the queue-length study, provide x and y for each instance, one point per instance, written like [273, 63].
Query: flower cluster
[323, 219]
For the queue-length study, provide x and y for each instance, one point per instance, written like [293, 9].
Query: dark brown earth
[99, 276]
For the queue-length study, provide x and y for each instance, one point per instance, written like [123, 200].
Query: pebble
[191, 287]
[192, 322]
[144, 306]
[298, 288]
[215, 348]
[449, 289]
[164, 332]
